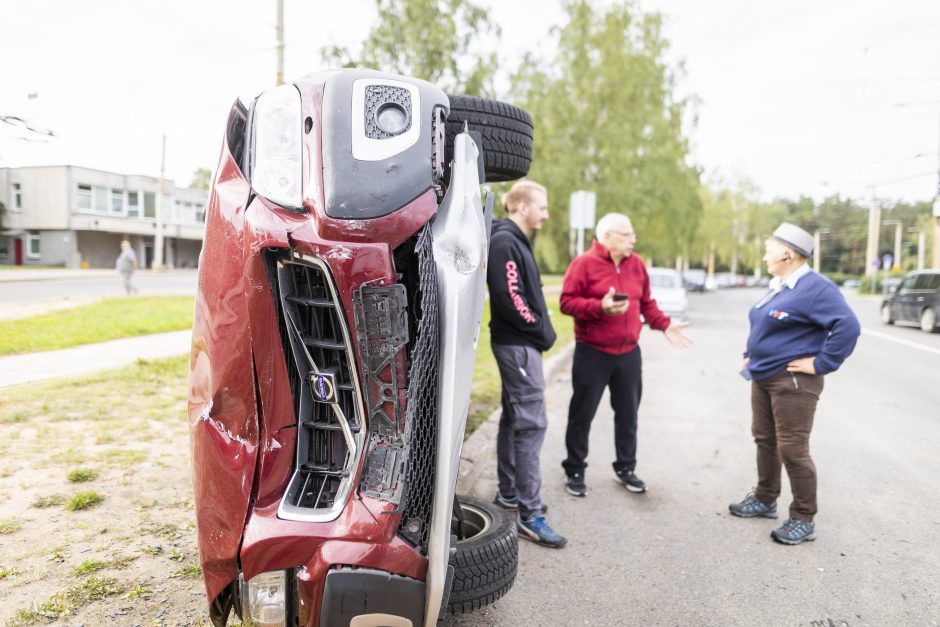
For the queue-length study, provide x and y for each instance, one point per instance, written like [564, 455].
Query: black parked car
[916, 299]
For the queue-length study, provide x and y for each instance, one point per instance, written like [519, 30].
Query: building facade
[76, 217]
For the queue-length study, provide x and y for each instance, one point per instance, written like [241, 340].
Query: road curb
[479, 450]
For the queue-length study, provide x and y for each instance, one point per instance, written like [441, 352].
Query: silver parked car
[666, 288]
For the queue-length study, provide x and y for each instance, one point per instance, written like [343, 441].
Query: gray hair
[608, 223]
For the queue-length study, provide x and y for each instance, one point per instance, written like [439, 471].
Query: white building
[76, 217]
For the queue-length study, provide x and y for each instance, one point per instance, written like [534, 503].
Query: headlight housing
[276, 146]
[264, 599]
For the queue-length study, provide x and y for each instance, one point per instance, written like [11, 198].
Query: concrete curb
[479, 450]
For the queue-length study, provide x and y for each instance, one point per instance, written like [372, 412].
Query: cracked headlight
[276, 146]
[264, 599]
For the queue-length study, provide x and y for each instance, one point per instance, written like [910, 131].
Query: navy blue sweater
[810, 320]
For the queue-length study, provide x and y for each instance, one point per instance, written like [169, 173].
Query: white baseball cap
[796, 238]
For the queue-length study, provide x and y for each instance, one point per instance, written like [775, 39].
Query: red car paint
[241, 415]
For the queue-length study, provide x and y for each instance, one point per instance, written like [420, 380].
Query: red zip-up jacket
[588, 279]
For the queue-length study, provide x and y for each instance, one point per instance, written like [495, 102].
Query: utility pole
[921, 242]
[936, 212]
[874, 226]
[817, 249]
[280, 42]
[158, 236]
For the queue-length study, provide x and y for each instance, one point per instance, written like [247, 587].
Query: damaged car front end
[340, 295]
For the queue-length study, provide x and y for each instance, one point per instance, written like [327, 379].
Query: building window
[133, 205]
[32, 246]
[117, 201]
[200, 213]
[101, 199]
[16, 196]
[150, 205]
[84, 197]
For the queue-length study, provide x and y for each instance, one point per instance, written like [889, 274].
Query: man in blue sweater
[801, 330]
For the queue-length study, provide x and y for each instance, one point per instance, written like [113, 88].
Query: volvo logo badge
[323, 385]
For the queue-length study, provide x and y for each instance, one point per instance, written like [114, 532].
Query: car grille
[323, 386]
[422, 418]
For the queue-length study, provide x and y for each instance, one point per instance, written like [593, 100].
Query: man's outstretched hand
[675, 335]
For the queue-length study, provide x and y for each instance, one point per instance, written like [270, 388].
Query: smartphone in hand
[618, 297]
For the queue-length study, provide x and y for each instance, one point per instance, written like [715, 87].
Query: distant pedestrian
[801, 330]
[606, 290]
[126, 264]
[520, 330]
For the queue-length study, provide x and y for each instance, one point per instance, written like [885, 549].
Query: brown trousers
[783, 407]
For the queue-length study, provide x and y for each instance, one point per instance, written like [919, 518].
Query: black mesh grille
[422, 419]
[315, 348]
[378, 95]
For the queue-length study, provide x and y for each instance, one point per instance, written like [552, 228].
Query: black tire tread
[484, 566]
[506, 130]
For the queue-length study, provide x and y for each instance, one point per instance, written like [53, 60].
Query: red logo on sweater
[512, 281]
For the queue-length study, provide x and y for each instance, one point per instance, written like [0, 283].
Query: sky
[798, 98]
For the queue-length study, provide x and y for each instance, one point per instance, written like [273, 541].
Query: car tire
[928, 321]
[506, 132]
[886, 317]
[486, 560]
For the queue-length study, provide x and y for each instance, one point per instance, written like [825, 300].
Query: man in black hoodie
[520, 330]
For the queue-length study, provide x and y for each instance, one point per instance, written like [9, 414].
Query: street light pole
[817, 249]
[897, 239]
[874, 226]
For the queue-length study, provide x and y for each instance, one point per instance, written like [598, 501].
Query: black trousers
[592, 372]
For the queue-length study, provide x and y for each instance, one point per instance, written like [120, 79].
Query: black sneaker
[794, 531]
[630, 481]
[574, 484]
[511, 504]
[753, 507]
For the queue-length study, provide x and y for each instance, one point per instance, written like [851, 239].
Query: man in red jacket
[605, 290]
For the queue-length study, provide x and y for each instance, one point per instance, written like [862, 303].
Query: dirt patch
[96, 513]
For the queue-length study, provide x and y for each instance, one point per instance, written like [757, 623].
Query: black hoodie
[518, 316]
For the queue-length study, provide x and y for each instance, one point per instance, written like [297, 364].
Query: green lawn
[97, 322]
[484, 397]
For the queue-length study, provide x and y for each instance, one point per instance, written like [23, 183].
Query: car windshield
[663, 280]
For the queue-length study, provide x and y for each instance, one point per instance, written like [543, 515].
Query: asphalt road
[675, 556]
[95, 286]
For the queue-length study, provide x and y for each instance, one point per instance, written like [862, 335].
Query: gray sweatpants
[522, 425]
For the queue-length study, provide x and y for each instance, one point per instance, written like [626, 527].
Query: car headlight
[276, 146]
[264, 599]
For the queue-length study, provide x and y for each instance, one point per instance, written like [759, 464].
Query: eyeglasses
[624, 233]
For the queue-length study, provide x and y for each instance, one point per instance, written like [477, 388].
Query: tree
[606, 119]
[447, 42]
[201, 179]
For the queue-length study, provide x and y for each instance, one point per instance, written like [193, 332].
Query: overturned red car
[340, 295]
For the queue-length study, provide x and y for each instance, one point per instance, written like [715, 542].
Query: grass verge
[97, 322]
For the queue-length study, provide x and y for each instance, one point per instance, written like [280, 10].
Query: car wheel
[486, 558]
[928, 321]
[505, 130]
[886, 317]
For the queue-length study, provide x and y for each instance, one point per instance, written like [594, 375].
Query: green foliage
[201, 179]
[88, 566]
[7, 572]
[83, 500]
[48, 501]
[448, 42]
[98, 322]
[607, 119]
[81, 475]
[10, 525]
[67, 602]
